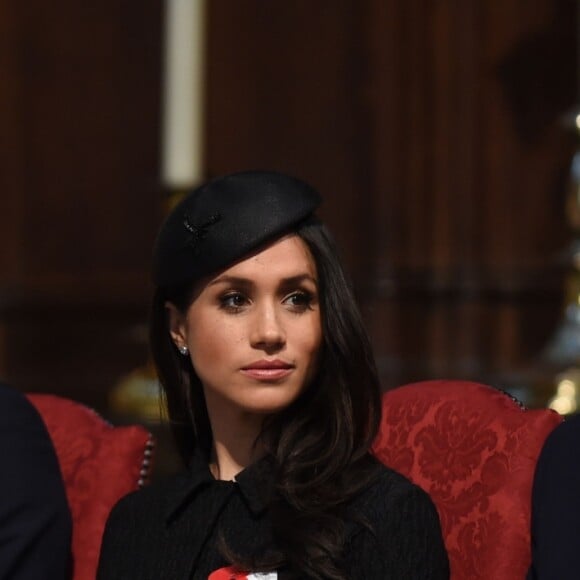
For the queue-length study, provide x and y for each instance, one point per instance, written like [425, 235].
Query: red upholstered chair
[473, 449]
[99, 463]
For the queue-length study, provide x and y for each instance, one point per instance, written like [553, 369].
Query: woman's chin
[268, 405]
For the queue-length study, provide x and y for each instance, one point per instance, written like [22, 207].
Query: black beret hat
[225, 219]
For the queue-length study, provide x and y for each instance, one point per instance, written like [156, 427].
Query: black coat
[35, 522]
[556, 506]
[172, 531]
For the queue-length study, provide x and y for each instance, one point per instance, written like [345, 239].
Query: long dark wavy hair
[319, 443]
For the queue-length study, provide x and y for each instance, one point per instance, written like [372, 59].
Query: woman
[274, 401]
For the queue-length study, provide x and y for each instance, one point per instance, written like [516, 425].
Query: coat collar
[255, 484]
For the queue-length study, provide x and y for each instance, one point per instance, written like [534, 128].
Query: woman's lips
[265, 370]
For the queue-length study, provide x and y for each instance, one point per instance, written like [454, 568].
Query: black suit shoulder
[144, 506]
[15, 407]
[136, 529]
[138, 516]
[35, 521]
[387, 485]
[403, 537]
[556, 504]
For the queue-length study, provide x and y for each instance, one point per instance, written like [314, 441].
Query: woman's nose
[267, 328]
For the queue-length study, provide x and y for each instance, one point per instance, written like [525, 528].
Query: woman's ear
[177, 324]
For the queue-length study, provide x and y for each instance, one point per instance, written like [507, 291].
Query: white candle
[182, 145]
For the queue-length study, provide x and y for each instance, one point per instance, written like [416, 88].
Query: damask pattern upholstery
[99, 463]
[473, 449]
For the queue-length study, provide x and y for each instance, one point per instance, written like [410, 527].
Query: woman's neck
[226, 463]
[235, 445]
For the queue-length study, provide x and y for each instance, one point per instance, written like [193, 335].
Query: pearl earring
[183, 350]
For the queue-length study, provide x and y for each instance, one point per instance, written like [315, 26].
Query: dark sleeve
[118, 532]
[130, 538]
[35, 522]
[556, 505]
[405, 541]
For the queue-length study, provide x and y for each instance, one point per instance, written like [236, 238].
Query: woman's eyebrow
[298, 279]
[234, 280]
[246, 282]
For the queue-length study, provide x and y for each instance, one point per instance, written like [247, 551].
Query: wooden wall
[430, 127]
[80, 201]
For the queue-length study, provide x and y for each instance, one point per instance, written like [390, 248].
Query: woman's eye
[300, 301]
[233, 301]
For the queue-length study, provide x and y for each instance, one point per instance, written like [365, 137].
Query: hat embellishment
[198, 232]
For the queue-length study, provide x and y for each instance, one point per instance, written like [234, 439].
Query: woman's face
[254, 331]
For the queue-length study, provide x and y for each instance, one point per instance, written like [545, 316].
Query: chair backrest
[99, 463]
[473, 449]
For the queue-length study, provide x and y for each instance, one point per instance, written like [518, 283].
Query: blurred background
[441, 134]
